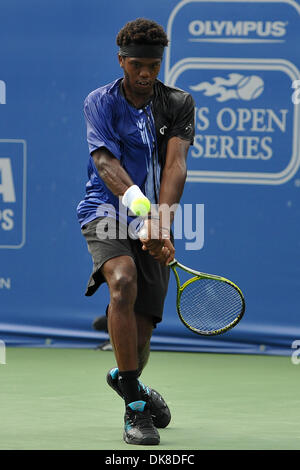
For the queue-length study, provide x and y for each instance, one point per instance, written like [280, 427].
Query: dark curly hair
[142, 31]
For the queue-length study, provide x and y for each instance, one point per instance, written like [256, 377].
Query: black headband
[154, 51]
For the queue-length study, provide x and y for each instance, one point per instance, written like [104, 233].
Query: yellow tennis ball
[140, 206]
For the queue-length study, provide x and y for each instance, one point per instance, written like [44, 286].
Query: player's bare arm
[174, 174]
[118, 181]
[172, 184]
[112, 173]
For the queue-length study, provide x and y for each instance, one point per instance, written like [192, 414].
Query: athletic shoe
[105, 346]
[139, 428]
[160, 412]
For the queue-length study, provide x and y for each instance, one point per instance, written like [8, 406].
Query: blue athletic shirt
[132, 136]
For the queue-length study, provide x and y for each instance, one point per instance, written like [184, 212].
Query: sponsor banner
[240, 70]
[12, 193]
[240, 60]
[2, 92]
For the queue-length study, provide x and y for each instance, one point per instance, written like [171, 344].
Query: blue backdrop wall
[240, 60]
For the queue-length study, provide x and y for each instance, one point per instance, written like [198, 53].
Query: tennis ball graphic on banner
[234, 86]
[249, 88]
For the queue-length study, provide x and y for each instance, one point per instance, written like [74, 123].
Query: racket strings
[209, 305]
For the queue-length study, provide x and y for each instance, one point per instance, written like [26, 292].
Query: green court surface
[59, 399]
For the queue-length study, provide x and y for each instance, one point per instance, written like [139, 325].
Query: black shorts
[152, 277]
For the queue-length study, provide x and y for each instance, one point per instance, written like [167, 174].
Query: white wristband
[132, 193]
[136, 201]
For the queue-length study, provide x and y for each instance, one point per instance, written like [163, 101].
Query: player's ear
[121, 60]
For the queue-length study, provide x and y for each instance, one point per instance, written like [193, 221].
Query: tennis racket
[206, 304]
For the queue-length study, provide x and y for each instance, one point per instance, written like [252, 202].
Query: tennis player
[138, 132]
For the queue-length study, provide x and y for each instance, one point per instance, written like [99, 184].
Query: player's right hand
[167, 253]
[157, 241]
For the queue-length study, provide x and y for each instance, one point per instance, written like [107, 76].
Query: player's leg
[113, 263]
[152, 288]
[160, 412]
[144, 333]
[120, 275]
[145, 328]
[153, 279]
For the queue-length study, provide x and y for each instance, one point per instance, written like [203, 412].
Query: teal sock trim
[114, 373]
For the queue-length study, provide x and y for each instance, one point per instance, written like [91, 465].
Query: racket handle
[143, 233]
[173, 263]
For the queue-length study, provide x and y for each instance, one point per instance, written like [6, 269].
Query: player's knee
[123, 288]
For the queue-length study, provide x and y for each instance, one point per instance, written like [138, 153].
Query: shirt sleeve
[99, 121]
[183, 125]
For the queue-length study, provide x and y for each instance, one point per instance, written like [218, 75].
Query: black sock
[129, 385]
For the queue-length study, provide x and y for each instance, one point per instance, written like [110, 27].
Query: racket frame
[199, 275]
